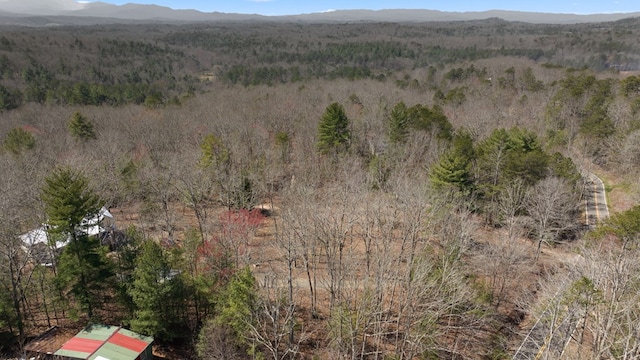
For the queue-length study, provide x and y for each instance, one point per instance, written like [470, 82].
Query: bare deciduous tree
[552, 208]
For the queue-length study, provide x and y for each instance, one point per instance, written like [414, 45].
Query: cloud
[39, 6]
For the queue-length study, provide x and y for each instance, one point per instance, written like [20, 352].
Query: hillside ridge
[100, 12]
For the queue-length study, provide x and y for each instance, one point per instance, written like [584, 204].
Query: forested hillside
[303, 191]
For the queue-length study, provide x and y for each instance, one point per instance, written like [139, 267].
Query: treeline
[80, 69]
[405, 46]
[162, 64]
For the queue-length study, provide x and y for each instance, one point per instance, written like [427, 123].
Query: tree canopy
[333, 131]
[19, 140]
[81, 128]
[83, 268]
[68, 199]
[155, 292]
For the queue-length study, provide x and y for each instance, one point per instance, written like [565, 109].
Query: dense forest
[312, 191]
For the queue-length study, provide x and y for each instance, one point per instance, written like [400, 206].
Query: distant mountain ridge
[101, 13]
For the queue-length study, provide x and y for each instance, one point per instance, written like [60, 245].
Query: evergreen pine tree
[452, 170]
[83, 268]
[237, 303]
[398, 124]
[454, 167]
[68, 200]
[84, 273]
[152, 292]
[81, 128]
[18, 140]
[214, 153]
[333, 130]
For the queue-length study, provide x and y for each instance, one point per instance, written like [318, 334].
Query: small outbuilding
[104, 342]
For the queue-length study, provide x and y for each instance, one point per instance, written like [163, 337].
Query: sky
[290, 7]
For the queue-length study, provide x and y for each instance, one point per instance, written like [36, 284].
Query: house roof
[99, 342]
[88, 226]
[92, 226]
[40, 236]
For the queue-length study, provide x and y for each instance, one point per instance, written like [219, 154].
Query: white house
[37, 243]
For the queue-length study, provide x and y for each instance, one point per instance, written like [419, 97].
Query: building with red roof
[104, 342]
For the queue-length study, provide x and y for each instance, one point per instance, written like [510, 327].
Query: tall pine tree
[398, 124]
[333, 130]
[83, 267]
[454, 167]
[81, 128]
[155, 292]
[18, 140]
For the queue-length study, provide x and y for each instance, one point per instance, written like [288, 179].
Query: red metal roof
[128, 342]
[82, 345]
[107, 342]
